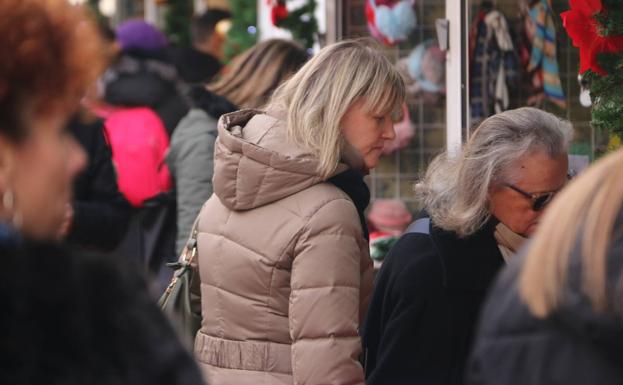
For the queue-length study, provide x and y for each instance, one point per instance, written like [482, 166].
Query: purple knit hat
[140, 35]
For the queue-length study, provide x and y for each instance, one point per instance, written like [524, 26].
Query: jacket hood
[255, 163]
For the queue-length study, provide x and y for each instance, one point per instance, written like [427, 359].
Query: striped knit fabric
[543, 56]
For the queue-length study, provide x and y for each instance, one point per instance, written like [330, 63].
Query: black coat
[82, 319]
[424, 308]
[141, 80]
[575, 345]
[101, 213]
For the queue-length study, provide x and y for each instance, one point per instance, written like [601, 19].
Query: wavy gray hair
[455, 189]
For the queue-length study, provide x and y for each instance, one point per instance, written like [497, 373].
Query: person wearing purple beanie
[142, 76]
[140, 35]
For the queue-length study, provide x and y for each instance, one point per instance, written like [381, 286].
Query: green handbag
[176, 302]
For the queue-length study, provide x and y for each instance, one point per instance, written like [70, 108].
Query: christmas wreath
[301, 21]
[596, 28]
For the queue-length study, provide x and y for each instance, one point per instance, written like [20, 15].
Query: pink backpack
[139, 144]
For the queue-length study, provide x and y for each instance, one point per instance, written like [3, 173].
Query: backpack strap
[420, 226]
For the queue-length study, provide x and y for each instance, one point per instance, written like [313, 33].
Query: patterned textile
[493, 65]
[543, 56]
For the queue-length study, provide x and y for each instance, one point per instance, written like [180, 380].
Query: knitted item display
[390, 22]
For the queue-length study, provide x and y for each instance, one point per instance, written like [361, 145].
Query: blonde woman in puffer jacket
[283, 261]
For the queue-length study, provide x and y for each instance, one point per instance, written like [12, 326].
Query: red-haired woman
[66, 318]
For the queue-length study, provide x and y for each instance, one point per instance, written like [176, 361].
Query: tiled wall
[397, 173]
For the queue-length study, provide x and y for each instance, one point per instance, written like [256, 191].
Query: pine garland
[177, 21]
[611, 19]
[301, 22]
[94, 8]
[606, 79]
[607, 93]
[243, 32]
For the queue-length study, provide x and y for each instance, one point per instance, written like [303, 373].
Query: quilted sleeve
[325, 298]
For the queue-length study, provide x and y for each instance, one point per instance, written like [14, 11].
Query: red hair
[50, 53]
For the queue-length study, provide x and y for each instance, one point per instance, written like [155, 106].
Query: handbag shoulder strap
[191, 244]
[184, 262]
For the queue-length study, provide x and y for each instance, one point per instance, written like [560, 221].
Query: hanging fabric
[493, 64]
[541, 30]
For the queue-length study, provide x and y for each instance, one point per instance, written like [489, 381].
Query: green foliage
[610, 23]
[607, 93]
[244, 22]
[177, 21]
[302, 23]
[607, 90]
[94, 8]
[94, 5]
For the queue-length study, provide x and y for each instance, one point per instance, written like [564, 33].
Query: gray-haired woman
[478, 208]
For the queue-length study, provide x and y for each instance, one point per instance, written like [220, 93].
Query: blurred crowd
[119, 152]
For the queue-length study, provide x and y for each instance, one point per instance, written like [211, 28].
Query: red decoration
[583, 29]
[278, 12]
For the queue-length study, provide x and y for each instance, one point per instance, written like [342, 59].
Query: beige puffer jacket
[284, 267]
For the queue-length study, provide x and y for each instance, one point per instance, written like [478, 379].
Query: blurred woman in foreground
[66, 318]
[555, 315]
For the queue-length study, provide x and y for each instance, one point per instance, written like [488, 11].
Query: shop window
[398, 171]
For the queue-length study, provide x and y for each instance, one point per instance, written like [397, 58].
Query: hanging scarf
[508, 241]
[493, 65]
[543, 54]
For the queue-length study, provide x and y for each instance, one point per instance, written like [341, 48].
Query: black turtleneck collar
[352, 183]
[213, 104]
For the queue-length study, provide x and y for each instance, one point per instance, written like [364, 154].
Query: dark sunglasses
[539, 201]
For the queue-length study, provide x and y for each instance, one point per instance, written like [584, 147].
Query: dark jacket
[101, 213]
[423, 312]
[191, 157]
[195, 67]
[82, 319]
[575, 345]
[141, 80]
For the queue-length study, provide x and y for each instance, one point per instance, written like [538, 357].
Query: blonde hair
[455, 189]
[255, 74]
[585, 211]
[319, 94]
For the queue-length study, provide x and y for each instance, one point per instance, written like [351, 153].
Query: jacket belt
[260, 356]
